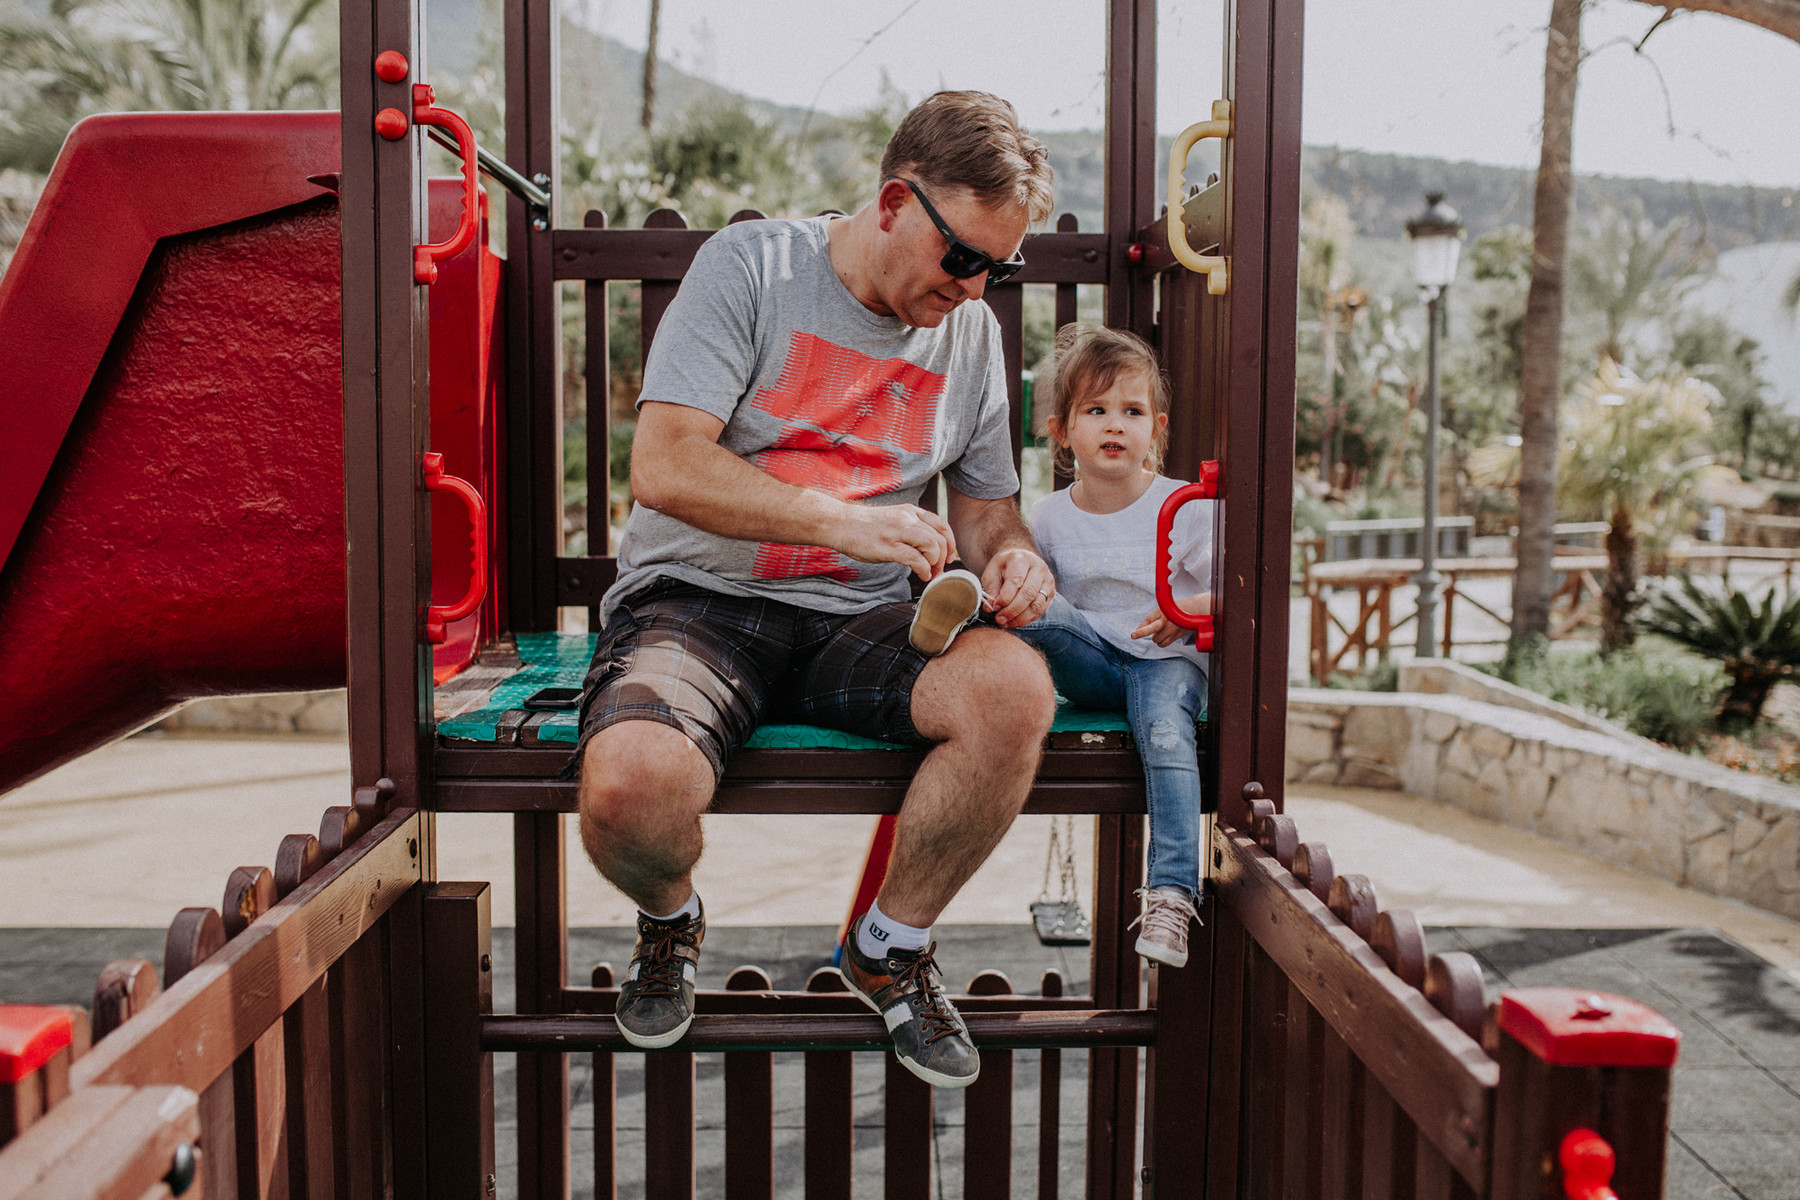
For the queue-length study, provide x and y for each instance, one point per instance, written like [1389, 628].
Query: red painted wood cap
[29, 1035]
[1572, 1027]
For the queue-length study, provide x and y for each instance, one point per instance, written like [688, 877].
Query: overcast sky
[1709, 99]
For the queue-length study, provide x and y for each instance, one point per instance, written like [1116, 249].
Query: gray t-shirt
[1105, 563]
[819, 392]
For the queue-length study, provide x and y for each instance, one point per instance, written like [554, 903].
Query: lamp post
[1436, 236]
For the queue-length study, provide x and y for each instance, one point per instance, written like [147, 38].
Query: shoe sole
[949, 1083]
[943, 611]
[1159, 953]
[660, 1041]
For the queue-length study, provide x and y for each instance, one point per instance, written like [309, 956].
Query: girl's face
[1111, 433]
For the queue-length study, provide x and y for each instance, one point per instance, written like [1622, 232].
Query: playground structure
[329, 1030]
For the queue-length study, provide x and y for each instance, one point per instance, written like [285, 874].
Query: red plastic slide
[171, 467]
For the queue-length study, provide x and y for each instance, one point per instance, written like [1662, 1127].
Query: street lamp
[1436, 236]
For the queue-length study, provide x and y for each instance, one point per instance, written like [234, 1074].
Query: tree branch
[1777, 16]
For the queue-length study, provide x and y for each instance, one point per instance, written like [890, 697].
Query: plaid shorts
[716, 666]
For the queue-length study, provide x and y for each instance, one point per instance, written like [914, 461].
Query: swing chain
[1061, 922]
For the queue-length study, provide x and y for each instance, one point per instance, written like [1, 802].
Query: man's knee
[992, 681]
[636, 770]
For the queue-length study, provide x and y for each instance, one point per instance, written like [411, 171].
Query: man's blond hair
[973, 140]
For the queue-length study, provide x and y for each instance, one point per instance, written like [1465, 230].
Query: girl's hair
[1086, 361]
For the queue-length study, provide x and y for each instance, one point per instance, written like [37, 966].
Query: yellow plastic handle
[1213, 266]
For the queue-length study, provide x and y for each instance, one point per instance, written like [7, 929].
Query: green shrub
[1756, 643]
[1384, 676]
[1659, 691]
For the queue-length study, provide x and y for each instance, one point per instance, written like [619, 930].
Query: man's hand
[1165, 632]
[916, 538]
[1019, 586]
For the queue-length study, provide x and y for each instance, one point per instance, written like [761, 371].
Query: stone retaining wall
[321, 714]
[1609, 794]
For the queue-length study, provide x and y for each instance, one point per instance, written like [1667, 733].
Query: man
[807, 380]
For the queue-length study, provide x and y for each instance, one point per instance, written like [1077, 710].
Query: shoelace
[659, 968]
[918, 974]
[1165, 914]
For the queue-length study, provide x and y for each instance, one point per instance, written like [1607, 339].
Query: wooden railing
[268, 1044]
[1347, 1061]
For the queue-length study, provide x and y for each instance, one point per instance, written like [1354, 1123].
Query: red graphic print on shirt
[845, 420]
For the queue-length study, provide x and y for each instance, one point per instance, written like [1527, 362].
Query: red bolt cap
[391, 66]
[1134, 253]
[1572, 1027]
[30, 1034]
[390, 123]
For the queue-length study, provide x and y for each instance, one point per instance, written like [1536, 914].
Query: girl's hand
[1165, 632]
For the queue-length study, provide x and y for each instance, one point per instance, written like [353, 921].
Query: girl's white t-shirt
[1105, 563]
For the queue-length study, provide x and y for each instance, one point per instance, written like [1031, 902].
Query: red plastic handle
[1206, 489]
[1587, 1163]
[440, 615]
[427, 257]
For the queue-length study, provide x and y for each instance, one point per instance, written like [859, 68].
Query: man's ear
[889, 201]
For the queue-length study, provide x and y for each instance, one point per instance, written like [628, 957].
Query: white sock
[686, 912]
[880, 933]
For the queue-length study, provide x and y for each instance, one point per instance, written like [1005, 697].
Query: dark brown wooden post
[1132, 191]
[1253, 378]
[459, 1076]
[1571, 1060]
[1112, 1073]
[606, 1107]
[533, 343]
[1050, 1104]
[906, 1157]
[598, 319]
[830, 1109]
[749, 1107]
[988, 1111]
[1176, 1131]
[541, 958]
[669, 1125]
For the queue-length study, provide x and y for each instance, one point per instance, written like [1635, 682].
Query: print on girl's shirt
[845, 420]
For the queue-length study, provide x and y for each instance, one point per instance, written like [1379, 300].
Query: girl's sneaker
[948, 603]
[1163, 925]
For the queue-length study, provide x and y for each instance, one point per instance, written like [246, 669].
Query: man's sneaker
[656, 1001]
[930, 1039]
[948, 603]
[1163, 925]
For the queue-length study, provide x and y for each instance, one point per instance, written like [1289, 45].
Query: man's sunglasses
[961, 260]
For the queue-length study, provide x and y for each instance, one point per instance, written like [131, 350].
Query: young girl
[1108, 644]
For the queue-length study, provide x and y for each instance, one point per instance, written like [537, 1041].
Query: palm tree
[1627, 272]
[88, 56]
[1540, 375]
[1628, 456]
[1758, 645]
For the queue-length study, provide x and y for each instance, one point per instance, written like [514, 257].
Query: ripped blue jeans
[1163, 698]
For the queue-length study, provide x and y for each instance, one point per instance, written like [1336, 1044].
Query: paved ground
[95, 858]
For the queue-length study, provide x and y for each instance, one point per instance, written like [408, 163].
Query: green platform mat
[561, 660]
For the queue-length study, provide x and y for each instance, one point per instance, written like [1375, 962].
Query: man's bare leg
[988, 703]
[644, 786]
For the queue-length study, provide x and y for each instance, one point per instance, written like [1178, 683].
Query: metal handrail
[536, 194]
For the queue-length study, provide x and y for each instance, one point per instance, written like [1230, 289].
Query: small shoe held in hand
[948, 604]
